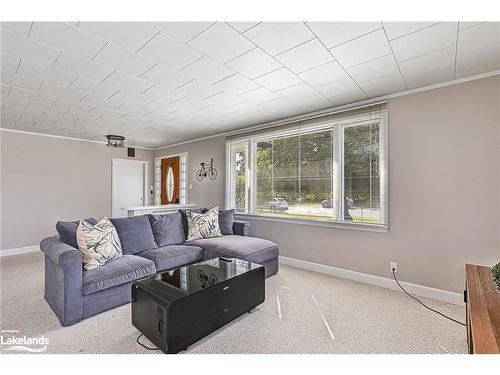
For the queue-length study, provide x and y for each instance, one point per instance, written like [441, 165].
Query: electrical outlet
[394, 266]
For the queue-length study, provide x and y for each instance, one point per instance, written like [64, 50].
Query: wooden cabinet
[483, 310]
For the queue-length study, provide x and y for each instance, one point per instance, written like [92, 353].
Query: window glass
[362, 173]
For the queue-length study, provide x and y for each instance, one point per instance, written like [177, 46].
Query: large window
[326, 171]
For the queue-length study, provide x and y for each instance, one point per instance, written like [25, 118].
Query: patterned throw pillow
[203, 225]
[98, 243]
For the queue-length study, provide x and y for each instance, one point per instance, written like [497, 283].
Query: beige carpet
[304, 312]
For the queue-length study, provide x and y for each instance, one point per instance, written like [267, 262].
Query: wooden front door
[170, 180]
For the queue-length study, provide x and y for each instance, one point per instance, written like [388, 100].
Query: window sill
[380, 228]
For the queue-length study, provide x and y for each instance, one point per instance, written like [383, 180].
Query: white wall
[46, 179]
[444, 192]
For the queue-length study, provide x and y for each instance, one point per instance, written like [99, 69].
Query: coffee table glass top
[183, 281]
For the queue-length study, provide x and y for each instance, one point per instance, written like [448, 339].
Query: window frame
[338, 126]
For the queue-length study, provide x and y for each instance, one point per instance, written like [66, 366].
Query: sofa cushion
[257, 250]
[119, 271]
[67, 230]
[173, 256]
[135, 234]
[167, 229]
[226, 220]
[184, 217]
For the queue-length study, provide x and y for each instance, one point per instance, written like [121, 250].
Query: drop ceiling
[161, 83]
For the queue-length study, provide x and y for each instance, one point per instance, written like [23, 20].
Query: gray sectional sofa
[74, 293]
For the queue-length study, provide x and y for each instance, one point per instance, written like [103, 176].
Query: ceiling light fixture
[115, 141]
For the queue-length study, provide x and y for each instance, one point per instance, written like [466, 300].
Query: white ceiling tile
[306, 56]
[9, 63]
[16, 45]
[258, 96]
[126, 81]
[24, 126]
[324, 74]
[182, 32]
[124, 60]
[94, 87]
[106, 112]
[348, 97]
[102, 102]
[311, 103]
[243, 26]
[362, 49]
[339, 87]
[31, 117]
[279, 79]
[8, 119]
[71, 104]
[45, 73]
[195, 91]
[167, 76]
[21, 28]
[76, 65]
[32, 95]
[19, 80]
[375, 68]
[254, 63]
[159, 92]
[68, 38]
[221, 42]
[236, 84]
[130, 97]
[207, 70]
[169, 51]
[398, 29]
[5, 89]
[478, 49]
[47, 108]
[6, 99]
[466, 25]
[430, 39]
[133, 119]
[297, 92]
[63, 92]
[383, 85]
[109, 120]
[428, 69]
[334, 33]
[129, 35]
[482, 36]
[277, 37]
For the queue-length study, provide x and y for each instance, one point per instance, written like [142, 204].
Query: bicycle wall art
[206, 170]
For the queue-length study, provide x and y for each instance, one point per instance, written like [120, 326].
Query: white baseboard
[19, 250]
[419, 290]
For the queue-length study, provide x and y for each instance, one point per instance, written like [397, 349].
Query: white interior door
[128, 185]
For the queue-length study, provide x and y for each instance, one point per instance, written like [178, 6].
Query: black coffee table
[176, 308]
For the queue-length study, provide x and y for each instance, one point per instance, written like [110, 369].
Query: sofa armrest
[63, 280]
[61, 253]
[241, 228]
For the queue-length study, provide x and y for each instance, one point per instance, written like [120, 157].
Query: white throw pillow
[203, 225]
[98, 243]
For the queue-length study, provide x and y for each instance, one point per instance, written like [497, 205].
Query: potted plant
[495, 271]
